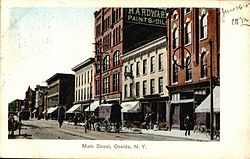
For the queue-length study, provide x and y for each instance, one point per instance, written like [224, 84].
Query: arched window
[203, 25]
[175, 38]
[106, 63]
[203, 65]
[188, 33]
[187, 10]
[188, 69]
[116, 58]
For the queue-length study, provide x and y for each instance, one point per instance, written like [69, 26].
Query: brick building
[118, 31]
[41, 101]
[60, 93]
[29, 100]
[189, 32]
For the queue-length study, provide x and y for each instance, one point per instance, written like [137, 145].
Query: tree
[12, 106]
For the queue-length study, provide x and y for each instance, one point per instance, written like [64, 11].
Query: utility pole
[211, 92]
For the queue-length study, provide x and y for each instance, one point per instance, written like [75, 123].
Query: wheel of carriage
[117, 127]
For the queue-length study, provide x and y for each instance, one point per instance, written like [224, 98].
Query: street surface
[49, 129]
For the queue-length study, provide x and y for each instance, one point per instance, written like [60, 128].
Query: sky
[44, 41]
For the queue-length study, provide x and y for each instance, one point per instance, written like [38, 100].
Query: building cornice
[145, 49]
[85, 63]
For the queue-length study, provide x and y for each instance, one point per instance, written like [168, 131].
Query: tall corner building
[118, 31]
[194, 45]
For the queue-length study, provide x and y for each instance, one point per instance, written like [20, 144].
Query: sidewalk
[175, 133]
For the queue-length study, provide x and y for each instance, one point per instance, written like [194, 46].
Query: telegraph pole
[211, 92]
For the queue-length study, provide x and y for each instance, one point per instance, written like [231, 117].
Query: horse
[12, 124]
[93, 120]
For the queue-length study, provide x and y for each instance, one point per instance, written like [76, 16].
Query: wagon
[13, 124]
[111, 115]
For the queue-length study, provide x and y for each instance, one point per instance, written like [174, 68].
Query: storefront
[156, 106]
[204, 109]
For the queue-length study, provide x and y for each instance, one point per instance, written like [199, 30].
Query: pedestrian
[85, 125]
[60, 120]
[187, 125]
[147, 120]
[75, 119]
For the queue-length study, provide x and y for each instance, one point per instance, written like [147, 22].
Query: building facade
[41, 101]
[29, 100]
[84, 78]
[118, 31]
[60, 93]
[193, 37]
[144, 79]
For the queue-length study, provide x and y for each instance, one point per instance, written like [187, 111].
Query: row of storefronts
[159, 66]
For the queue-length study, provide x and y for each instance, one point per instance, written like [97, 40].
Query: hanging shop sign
[147, 16]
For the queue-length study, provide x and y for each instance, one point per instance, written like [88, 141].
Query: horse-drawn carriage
[107, 118]
[13, 124]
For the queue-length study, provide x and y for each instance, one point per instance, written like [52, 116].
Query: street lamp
[100, 60]
[211, 92]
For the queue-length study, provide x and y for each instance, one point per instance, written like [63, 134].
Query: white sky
[44, 41]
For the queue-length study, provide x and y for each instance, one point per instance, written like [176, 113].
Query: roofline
[83, 64]
[57, 76]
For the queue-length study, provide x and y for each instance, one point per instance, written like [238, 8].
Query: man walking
[187, 125]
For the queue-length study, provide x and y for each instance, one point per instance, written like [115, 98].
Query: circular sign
[175, 61]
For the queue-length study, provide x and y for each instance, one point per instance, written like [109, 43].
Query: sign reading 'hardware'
[148, 16]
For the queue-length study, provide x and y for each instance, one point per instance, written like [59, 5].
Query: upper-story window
[91, 75]
[137, 68]
[188, 69]
[131, 88]
[98, 30]
[106, 85]
[203, 65]
[188, 33]
[88, 76]
[144, 87]
[152, 67]
[175, 17]
[152, 86]
[125, 91]
[175, 73]
[144, 71]
[160, 85]
[137, 89]
[97, 90]
[131, 69]
[82, 78]
[160, 61]
[175, 38]
[115, 82]
[125, 71]
[116, 58]
[187, 10]
[79, 80]
[106, 63]
[203, 26]
[85, 78]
